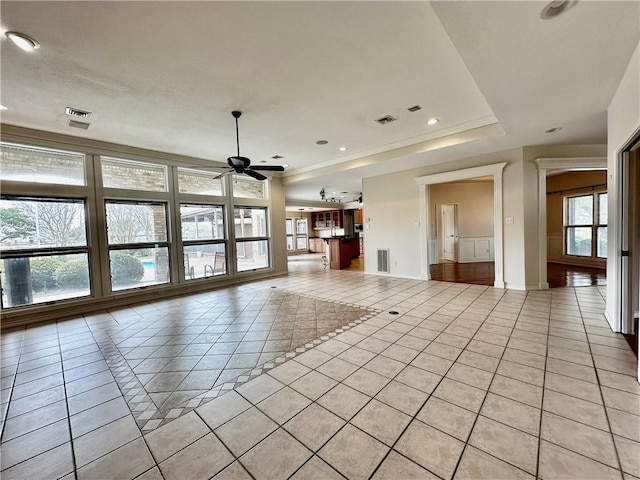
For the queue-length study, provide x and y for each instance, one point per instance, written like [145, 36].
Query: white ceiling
[166, 75]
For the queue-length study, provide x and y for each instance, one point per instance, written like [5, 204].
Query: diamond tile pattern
[264, 382]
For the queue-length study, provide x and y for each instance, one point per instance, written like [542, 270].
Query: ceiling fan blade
[223, 174]
[271, 168]
[256, 175]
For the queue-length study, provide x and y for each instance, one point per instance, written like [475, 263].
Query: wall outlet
[508, 220]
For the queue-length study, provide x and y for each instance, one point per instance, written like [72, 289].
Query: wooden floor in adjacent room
[477, 273]
[559, 275]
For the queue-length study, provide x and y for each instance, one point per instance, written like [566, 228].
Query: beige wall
[475, 206]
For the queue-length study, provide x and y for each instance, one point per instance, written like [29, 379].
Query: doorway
[447, 232]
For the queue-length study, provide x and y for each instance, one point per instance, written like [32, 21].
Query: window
[36, 165]
[247, 187]
[289, 227]
[252, 242]
[203, 240]
[199, 182]
[586, 225]
[138, 246]
[301, 234]
[130, 175]
[44, 250]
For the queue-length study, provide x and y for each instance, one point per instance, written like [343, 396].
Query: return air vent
[75, 112]
[76, 124]
[383, 260]
[415, 108]
[386, 119]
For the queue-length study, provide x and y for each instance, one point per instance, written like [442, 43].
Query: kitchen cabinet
[326, 220]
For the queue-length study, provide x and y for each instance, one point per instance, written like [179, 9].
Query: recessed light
[322, 142]
[25, 42]
[3, 108]
[432, 121]
[553, 130]
[343, 149]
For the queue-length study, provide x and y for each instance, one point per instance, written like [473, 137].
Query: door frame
[544, 165]
[495, 169]
[440, 228]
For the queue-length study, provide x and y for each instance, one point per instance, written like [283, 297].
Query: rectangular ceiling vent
[415, 108]
[75, 112]
[76, 124]
[383, 261]
[386, 119]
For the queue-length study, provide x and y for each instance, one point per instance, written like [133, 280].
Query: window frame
[593, 226]
[186, 271]
[255, 238]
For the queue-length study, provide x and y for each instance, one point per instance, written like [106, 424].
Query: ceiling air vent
[74, 112]
[415, 108]
[386, 119]
[76, 124]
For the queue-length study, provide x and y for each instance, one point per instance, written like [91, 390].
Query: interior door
[449, 233]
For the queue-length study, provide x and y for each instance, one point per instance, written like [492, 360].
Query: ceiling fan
[241, 164]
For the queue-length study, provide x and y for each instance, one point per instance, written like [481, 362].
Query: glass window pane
[138, 267]
[135, 223]
[28, 164]
[289, 226]
[301, 243]
[301, 226]
[30, 280]
[250, 222]
[602, 206]
[602, 242]
[252, 255]
[289, 242]
[580, 210]
[247, 187]
[30, 223]
[579, 241]
[132, 175]
[202, 261]
[202, 222]
[200, 182]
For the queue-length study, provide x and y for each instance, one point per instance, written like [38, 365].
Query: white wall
[623, 121]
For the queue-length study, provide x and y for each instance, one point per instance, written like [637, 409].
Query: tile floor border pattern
[146, 413]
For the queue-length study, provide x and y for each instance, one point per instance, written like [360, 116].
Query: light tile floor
[463, 382]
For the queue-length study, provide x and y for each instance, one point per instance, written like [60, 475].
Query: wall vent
[75, 124]
[75, 112]
[415, 108]
[386, 119]
[383, 260]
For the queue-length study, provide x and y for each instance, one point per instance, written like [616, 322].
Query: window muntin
[138, 247]
[199, 182]
[133, 175]
[247, 187]
[36, 223]
[204, 240]
[586, 225]
[301, 234]
[19, 163]
[34, 279]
